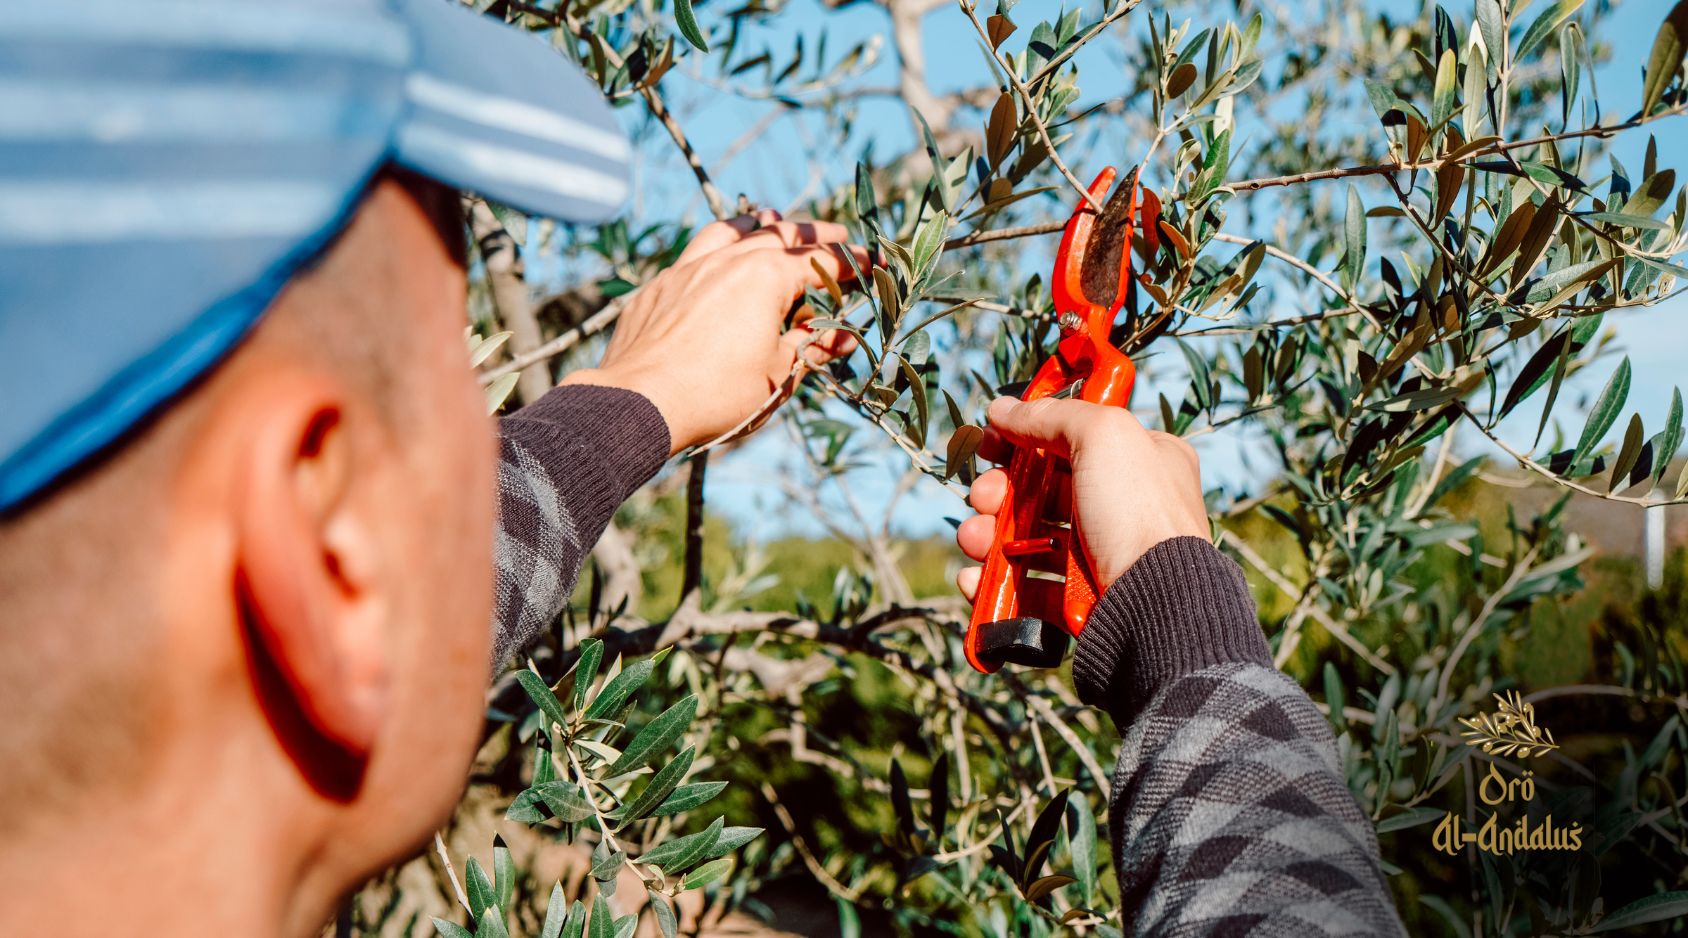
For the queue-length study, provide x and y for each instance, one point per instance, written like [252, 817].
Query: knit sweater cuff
[1182, 606]
[598, 444]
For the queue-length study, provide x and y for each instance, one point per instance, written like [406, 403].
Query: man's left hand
[703, 340]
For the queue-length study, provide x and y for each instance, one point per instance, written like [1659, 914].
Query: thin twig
[502, 258]
[1072, 47]
[1523, 567]
[1354, 304]
[603, 822]
[1296, 262]
[800, 366]
[815, 867]
[586, 784]
[592, 325]
[1289, 637]
[1073, 740]
[1538, 469]
[1031, 109]
[1019, 312]
[1352, 308]
[693, 577]
[1429, 487]
[748, 137]
[718, 208]
[1043, 758]
[659, 110]
[752, 423]
[1004, 234]
[918, 456]
[711, 193]
[445, 858]
[1337, 630]
[1494, 149]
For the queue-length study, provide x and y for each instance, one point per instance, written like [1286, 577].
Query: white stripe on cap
[442, 148]
[360, 30]
[514, 116]
[89, 211]
[116, 112]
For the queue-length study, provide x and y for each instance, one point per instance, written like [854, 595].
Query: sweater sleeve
[1230, 814]
[566, 462]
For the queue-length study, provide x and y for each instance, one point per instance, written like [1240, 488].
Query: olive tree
[1386, 231]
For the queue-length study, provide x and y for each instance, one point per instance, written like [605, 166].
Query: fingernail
[1001, 407]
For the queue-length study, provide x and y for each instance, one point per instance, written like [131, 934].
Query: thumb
[1050, 423]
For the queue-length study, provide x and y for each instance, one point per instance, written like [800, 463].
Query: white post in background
[1653, 545]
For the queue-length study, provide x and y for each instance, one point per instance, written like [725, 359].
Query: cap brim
[165, 174]
[497, 112]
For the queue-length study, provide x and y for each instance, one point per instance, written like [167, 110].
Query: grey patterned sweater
[1230, 815]
[566, 462]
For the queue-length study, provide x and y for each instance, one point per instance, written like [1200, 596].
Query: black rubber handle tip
[1028, 642]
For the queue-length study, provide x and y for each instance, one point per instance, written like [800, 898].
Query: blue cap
[167, 165]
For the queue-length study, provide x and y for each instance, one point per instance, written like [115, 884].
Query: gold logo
[1510, 730]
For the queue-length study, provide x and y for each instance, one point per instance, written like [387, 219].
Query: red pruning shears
[1017, 617]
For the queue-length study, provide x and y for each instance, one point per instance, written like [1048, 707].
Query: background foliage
[1392, 234]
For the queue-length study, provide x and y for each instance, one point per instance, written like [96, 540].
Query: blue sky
[774, 172]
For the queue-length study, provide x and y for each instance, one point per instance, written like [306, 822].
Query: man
[248, 482]
[248, 488]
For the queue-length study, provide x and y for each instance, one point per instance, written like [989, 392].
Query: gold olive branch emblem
[1511, 729]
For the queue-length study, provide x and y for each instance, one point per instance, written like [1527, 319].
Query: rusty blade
[1104, 256]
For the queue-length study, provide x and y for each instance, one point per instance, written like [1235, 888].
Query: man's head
[280, 590]
[246, 476]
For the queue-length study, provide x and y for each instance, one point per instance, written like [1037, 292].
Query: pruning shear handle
[1037, 587]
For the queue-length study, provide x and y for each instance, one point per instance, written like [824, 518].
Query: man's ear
[307, 562]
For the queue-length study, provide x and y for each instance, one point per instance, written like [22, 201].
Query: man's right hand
[703, 340]
[1132, 487]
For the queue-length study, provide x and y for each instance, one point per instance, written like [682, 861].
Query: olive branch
[1510, 729]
